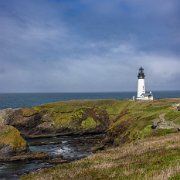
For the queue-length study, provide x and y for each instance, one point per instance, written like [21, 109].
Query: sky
[88, 45]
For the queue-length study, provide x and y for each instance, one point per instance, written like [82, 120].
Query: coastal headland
[141, 138]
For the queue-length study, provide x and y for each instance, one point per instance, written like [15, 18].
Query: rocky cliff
[11, 142]
[13, 146]
[58, 118]
[122, 121]
[146, 136]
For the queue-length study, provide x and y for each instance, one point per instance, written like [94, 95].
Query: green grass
[140, 116]
[142, 152]
[175, 177]
[147, 159]
[74, 114]
[173, 116]
[89, 123]
[61, 120]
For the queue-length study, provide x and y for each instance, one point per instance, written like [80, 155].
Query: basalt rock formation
[161, 123]
[48, 122]
[13, 147]
[122, 121]
[11, 142]
[145, 132]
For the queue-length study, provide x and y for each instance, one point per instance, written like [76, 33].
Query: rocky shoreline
[43, 123]
[19, 124]
[26, 157]
[72, 118]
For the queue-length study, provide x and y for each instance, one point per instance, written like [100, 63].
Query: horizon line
[82, 92]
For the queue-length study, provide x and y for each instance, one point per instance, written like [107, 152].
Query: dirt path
[161, 117]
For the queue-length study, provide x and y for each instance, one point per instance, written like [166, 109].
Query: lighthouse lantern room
[141, 92]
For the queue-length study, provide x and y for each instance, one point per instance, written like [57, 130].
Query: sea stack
[141, 92]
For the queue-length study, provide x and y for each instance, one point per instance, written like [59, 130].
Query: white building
[141, 92]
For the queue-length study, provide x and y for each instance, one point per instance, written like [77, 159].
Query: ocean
[18, 100]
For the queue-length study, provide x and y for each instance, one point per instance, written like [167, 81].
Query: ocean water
[68, 147]
[17, 100]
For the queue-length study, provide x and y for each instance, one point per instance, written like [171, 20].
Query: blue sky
[88, 45]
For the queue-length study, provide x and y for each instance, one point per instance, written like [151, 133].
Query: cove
[68, 148]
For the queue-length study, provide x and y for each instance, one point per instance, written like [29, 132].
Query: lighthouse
[141, 92]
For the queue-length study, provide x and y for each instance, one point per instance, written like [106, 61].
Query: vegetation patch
[112, 115]
[142, 152]
[175, 177]
[27, 112]
[61, 120]
[89, 123]
[11, 136]
[174, 116]
[151, 158]
[141, 115]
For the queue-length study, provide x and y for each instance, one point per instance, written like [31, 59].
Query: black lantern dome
[141, 74]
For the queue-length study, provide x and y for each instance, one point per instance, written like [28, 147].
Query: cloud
[2, 71]
[88, 45]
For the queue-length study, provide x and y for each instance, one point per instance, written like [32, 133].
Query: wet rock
[43, 143]
[98, 148]
[6, 150]
[25, 157]
[58, 160]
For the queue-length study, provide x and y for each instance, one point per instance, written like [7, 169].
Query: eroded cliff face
[58, 119]
[122, 120]
[11, 141]
[13, 146]
[25, 120]
[145, 131]
[46, 122]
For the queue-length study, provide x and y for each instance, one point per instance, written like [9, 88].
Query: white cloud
[42, 50]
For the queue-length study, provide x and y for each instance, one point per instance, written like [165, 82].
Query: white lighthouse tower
[141, 92]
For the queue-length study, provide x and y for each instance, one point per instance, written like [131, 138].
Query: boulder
[161, 123]
[26, 157]
[178, 107]
[24, 119]
[11, 142]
